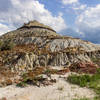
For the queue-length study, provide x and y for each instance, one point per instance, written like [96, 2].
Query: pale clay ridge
[51, 92]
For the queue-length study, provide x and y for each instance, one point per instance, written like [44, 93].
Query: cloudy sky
[77, 18]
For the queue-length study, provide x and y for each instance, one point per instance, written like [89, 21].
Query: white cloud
[65, 2]
[74, 5]
[90, 17]
[88, 23]
[3, 28]
[22, 11]
[79, 7]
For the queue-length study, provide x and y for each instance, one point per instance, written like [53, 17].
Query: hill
[39, 45]
[35, 54]
[36, 45]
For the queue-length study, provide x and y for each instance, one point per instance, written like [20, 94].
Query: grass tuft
[90, 81]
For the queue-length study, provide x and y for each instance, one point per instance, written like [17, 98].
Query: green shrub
[30, 79]
[1, 43]
[6, 45]
[90, 81]
[95, 98]
[96, 60]
[82, 99]
[22, 84]
[81, 80]
[48, 71]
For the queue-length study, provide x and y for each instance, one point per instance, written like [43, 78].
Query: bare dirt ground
[61, 90]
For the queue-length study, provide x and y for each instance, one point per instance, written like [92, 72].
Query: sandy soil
[61, 90]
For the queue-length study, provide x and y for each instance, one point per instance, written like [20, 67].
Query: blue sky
[77, 18]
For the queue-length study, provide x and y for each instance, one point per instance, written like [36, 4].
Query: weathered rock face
[59, 43]
[86, 67]
[49, 48]
[22, 62]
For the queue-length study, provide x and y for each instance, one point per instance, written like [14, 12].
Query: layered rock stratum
[39, 45]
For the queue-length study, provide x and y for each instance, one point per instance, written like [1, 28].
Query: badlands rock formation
[39, 45]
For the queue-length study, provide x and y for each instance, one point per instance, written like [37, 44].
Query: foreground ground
[61, 90]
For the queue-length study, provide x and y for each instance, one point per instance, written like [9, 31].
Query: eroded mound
[35, 45]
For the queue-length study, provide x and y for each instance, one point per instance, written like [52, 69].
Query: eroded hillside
[34, 45]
